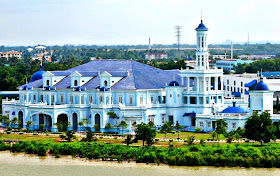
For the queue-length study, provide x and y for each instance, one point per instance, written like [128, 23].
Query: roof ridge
[133, 73]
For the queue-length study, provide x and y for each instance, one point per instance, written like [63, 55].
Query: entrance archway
[97, 122]
[75, 121]
[20, 118]
[62, 122]
[46, 120]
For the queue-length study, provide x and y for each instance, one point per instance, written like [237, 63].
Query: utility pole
[178, 35]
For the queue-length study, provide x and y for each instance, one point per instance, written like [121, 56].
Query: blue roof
[134, 75]
[26, 87]
[201, 27]
[79, 88]
[261, 86]
[251, 83]
[37, 75]
[234, 109]
[49, 88]
[103, 89]
[173, 83]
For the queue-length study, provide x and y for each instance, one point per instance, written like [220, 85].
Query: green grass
[29, 137]
[184, 135]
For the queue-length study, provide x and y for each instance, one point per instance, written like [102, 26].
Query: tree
[69, 135]
[213, 135]
[108, 126]
[145, 133]
[112, 115]
[151, 124]
[178, 127]
[166, 127]
[123, 125]
[89, 136]
[42, 126]
[85, 121]
[221, 127]
[29, 124]
[96, 127]
[15, 121]
[81, 123]
[259, 127]
[128, 139]
[5, 119]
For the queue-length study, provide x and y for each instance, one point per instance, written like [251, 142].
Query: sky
[132, 22]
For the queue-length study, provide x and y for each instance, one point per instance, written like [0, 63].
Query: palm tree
[123, 125]
[178, 127]
[15, 121]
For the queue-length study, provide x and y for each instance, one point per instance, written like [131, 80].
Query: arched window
[105, 83]
[48, 82]
[75, 83]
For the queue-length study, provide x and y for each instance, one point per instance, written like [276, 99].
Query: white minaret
[202, 48]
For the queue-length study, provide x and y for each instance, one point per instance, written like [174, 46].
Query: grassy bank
[244, 155]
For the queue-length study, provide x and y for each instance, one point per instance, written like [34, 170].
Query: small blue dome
[37, 75]
[79, 88]
[26, 87]
[173, 83]
[234, 109]
[261, 86]
[201, 27]
[49, 88]
[103, 89]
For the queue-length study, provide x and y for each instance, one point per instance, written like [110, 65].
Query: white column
[188, 84]
[197, 84]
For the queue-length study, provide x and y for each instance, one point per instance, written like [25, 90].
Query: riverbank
[14, 164]
[222, 155]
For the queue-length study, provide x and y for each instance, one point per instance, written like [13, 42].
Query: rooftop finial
[201, 15]
[41, 65]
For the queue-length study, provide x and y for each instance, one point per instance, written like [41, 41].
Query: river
[32, 165]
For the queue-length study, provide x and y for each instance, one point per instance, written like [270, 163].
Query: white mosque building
[136, 93]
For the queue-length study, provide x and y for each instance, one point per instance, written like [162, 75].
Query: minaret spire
[201, 15]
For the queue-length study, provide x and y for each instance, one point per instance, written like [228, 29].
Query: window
[201, 124]
[61, 99]
[42, 98]
[152, 99]
[193, 100]
[71, 99]
[178, 95]
[228, 82]
[241, 84]
[100, 100]
[34, 98]
[185, 100]
[52, 99]
[233, 125]
[82, 100]
[141, 100]
[120, 99]
[234, 83]
[170, 95]
[105, 83]
[209, 124]
[75, 83]
[90, 99]
[162, 119]
[163, 99]
[130, 100]
[170, 119]
[48, 82]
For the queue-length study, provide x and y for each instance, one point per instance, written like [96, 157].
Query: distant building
[40, 47]
[7, 55]
[219, 56]
[250, 57]
[151, 56]
[228, 64]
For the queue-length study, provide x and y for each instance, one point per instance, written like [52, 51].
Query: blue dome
[201, 27]
[49, 88]
[261, 86]
[234, 109]
[37, 75]
[173, 83]
[79, 88]
[26, 87]
[103, 89]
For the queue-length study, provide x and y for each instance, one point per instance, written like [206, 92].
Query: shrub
[8, 132]
[197, 130]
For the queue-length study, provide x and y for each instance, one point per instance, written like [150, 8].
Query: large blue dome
[37, 75]
[234, 109]
[261, 86]
[173, 83]
[201, 27]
